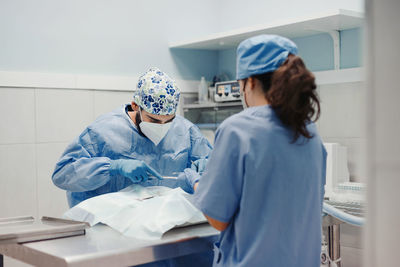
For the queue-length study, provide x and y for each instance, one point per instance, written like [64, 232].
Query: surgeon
[137, 143]
[264, 184]
[132, 144]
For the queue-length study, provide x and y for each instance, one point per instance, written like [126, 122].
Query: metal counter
[103, 246]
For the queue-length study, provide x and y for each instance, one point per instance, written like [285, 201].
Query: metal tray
[27, 229]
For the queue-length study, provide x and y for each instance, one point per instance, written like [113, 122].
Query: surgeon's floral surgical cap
[157, 93]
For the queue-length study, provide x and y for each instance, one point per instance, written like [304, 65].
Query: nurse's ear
[252, 83]
[134, 106]
[255, 86]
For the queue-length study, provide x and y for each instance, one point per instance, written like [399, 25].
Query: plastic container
[211, 93]
[203, 91]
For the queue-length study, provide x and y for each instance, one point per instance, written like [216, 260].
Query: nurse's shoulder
[249, 117]
[236, 124]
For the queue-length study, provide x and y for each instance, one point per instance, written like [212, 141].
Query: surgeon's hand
[199, 165]
[136, 170]
[187, 180]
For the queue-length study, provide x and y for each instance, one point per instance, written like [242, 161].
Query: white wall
[120, 37]
[238, 14]
[343, 120]
[36, 125]
[124, 37]
[383, 228]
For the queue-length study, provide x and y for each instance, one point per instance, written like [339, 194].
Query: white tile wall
[62, 114]
[350, 236]
[17, 109]
[387, 113]
[106, 101]
[351, 257]
[343, 120]
[51, 200]
[10, 262]
[388, 199]
[18, 190]
[37, 126]
[343, 110]
[356, 156]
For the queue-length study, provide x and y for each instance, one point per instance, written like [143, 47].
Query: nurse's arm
[220, 226]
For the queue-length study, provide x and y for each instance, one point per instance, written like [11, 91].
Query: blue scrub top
[83, 169]
[269, 189]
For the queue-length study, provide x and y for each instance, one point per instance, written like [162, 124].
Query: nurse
[264, 184]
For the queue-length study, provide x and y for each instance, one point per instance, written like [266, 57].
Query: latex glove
[187, 179]
[136, 170]
[199, 165]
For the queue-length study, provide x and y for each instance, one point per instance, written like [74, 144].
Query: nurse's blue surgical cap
[261, 54]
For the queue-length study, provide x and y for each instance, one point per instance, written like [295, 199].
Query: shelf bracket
[336, 48]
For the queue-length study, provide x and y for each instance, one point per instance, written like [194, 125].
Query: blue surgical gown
[269, 189]
[83, 169]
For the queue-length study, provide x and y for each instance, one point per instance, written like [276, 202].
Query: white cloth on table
[139, 212]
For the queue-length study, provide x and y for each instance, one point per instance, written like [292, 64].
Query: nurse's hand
[187, 179]
[136, 170]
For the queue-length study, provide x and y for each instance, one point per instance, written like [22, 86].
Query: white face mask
[243, 97]
[154, 131]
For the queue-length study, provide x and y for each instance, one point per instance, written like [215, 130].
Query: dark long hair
[291, 92]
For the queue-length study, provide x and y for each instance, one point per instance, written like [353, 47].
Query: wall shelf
[297, 27]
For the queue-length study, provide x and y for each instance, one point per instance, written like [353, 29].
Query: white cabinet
[329, 22]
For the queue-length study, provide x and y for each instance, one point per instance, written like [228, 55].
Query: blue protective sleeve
[200, 147]
[77, 170]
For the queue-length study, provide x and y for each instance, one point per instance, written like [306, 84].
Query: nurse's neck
[255, 95]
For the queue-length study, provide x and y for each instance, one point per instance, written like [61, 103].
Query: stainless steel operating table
[103, 246]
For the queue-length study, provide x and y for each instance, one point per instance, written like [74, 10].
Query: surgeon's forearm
[220, 226]
[81, 175]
